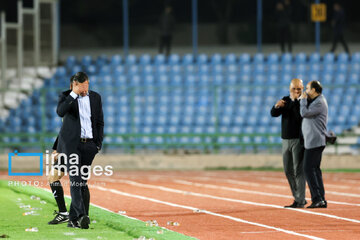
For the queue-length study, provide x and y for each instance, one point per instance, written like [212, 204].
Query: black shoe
[59, 218]
[84, 222]
[319, 204]
[73, 224]
[296, 205]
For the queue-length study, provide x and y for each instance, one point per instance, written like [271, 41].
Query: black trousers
[80, 194]
[313, 175]
[165, 42]
[339, 37]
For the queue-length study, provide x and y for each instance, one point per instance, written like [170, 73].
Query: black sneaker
[84, 222]
[59, 218]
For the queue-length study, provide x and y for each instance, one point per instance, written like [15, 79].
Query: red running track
[229, 204]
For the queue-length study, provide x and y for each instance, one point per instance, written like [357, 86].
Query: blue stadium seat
[329, 58]
[273, 68]
[202, 59]
[244, 58]
[272, 58]
[287, 68]
[188, 59]
[355, 58]
[104, 70]
[286, 58]
[216, 59]
[258, 58]
[354, 79]
[342, 58]
[341, 68]
[230, 59]
[70, 61]
[300, 58]
[101, 60]
[130, 59]
[86, 61]
[145, 59]
[115, 60]
[159, 59]
[174, 59]
[203, 69]
[315, 58]
[340, 79]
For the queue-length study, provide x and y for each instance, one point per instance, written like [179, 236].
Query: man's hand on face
[80, 88]
[280, 104]
[304, 95]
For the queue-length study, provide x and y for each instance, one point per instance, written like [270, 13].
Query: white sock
[64, 213]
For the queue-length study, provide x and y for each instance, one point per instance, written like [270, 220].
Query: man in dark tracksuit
[292, 145]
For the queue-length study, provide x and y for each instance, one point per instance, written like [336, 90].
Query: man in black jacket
[292, 145]
[80, 139]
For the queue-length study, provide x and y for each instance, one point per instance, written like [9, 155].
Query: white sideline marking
[207, 212]
[166, 189]
[253, 192]
[277, 186]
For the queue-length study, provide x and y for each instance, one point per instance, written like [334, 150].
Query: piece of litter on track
[69, 234]
[198, 211]
[33, 229]
[171, 223]
[152, 223]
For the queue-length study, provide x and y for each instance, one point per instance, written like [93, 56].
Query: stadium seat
[258, 58]
[272, 58]
[145, 59]
[300, 58]
[286, 58]
[329, 58]
[116, 60]
[342, 58]
[130, 59]
[86, 61]
[244, 58]
[230, 59]
[202, 59]
[355, 58]
[315, 58]
[188, 59]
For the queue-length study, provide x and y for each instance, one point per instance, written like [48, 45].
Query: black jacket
[290, 118]
[68, 109]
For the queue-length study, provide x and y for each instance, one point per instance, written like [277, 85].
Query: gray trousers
[293, 152]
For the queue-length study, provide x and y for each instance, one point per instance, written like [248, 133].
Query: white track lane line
[253, 192]
[275, 186]
[166, 189]
[207, 212]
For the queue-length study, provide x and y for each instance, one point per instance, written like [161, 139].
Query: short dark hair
[80, 77]
[72, 78]
[317, 86]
